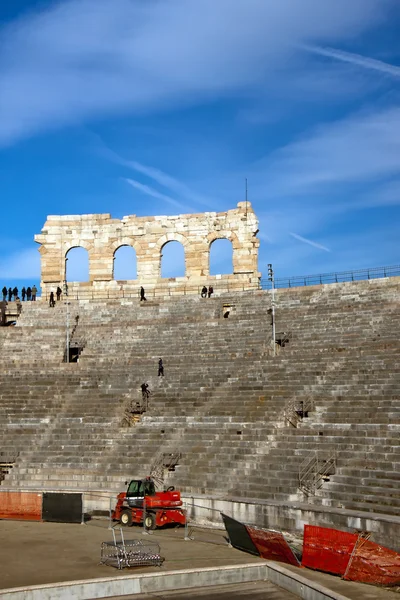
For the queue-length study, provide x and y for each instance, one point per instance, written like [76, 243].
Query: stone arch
[171, 237]
[124, 266]
[228, 235]
[225, 265]
[77, 265]
[172, 260]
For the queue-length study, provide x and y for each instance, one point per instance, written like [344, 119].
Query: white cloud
[80, 59]
[153, 173]
[149, 191]
[356, 59]
[310, 242]
[360, 148]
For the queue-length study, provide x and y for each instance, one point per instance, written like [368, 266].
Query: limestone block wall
[102, 235]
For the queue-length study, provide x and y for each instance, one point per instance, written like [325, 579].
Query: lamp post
[271, 278]
[65, 291]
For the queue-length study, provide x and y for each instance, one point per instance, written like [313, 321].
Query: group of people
[205, 292]
[52, 301]
[28, 293]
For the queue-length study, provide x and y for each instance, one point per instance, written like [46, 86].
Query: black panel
[62, 508]
[239, 536]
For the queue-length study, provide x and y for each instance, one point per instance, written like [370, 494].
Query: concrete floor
[36, 553]
[33, 553]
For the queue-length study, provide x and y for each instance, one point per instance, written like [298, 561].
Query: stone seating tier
[222, 401]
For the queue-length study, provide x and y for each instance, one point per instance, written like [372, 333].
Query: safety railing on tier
[339, 277]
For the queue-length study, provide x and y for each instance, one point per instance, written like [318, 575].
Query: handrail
[337, 277]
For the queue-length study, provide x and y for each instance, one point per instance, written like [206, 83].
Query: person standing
[34, 292]
[10, 293]
[160, 368]
[28, 293]
[23, 293]
[204, 292]
[4, 290]
[210, 291]
[142, 294]
[15, 292]
[58, 293]
[52, 302]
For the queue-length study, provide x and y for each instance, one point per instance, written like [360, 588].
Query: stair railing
[296, 410]
[315, 470]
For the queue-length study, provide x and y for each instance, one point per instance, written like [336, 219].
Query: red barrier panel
[25, 506]
[326, 549]
[272, 545]
[372, 563]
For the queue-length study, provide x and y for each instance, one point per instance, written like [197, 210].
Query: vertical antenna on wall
[246, 195]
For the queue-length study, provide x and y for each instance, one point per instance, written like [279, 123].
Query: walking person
[34, 292]
[4, 290]
[28, 293]
[52, 302]
[23, 293]
[210, 291]
[142, 294]
[10, 293]
[204, 292]
[58, 293]
[160, 368]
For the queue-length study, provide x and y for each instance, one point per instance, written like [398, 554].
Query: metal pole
[273, 313]
[67, 320]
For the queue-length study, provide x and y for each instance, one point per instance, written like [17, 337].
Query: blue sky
[162, 107]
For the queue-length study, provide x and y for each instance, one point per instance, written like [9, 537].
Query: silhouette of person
[160, 368]
[58, 293]
[210, 291]
[4, 290]
[28, 293]
[23, 293]
[52, 302]
[34, 292]
[142, 294]
[204, 292]
[10, 293]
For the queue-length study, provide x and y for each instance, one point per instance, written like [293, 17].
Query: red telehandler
[160, 507]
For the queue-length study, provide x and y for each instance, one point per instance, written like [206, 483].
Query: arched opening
[173, 260]
[221, 257]
[77, 264]
[125, 264]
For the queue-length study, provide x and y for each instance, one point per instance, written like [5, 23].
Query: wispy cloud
[310, 242]
[356, 59]
[80, 59]
[360, 148]
[149, 191]
[164, 179]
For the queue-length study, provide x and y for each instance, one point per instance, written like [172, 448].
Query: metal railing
[296, 410]
[315, 470]
[339, 277]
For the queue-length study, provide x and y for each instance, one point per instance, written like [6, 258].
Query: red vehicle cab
[141, 503]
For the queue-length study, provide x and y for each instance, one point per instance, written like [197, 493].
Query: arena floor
[34, 553]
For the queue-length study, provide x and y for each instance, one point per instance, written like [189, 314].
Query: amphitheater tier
[224, 400]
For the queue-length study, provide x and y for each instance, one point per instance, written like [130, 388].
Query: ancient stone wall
[101, 236]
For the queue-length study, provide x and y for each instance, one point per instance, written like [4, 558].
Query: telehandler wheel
[150, 521]
[126, 518]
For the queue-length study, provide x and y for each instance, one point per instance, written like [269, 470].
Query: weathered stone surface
[101, 236]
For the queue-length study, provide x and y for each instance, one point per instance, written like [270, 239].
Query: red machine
[160, 507]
